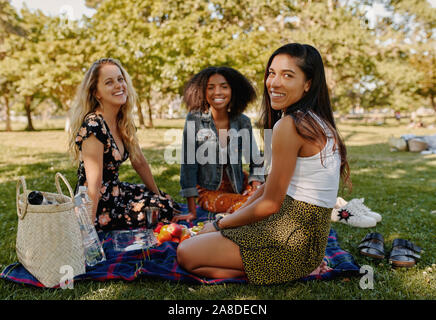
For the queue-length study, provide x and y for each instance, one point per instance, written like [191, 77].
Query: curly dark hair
[243, 92]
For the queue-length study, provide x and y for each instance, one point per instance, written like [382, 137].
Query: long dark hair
[316, 100]
[242, 90]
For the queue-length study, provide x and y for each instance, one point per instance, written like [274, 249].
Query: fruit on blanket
[175, 230]
[196, 228]
[171, 232]
[185, 231]
[163, 236]
[175, 239]
[164, 227]
[184, 237]
[158, 227]
[186, 234]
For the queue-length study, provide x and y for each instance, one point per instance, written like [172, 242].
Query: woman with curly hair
[216, 136]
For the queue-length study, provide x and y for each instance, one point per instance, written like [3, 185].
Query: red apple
[164, 236]
[164, 227]
[175, 229]
[158, 227]
[175, 239]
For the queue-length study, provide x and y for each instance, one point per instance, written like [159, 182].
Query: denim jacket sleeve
[189, 168]
[256, 161]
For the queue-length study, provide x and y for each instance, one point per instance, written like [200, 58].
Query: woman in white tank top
[316, 177]
[280, 234]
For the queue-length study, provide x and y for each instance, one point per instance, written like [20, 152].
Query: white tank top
[317, 182]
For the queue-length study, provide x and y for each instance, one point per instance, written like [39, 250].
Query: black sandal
[404, 253]
[372, 246]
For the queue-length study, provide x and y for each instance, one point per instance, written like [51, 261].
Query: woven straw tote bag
[48, 236]
[417, 145]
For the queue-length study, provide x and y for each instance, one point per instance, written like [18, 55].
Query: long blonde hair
[85, 102]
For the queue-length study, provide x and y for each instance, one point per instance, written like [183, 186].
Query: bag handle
[21, 182]
[58, 187]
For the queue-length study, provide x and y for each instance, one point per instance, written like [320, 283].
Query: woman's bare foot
[322, 268]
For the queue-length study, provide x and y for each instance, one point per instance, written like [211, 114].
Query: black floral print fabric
[122, 204]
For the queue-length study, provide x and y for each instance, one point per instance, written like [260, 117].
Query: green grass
[399, 185]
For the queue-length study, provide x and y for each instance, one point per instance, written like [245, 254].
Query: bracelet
[215, 224]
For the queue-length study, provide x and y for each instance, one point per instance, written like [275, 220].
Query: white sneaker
[353, 214]
[340, 202]
[369, 212]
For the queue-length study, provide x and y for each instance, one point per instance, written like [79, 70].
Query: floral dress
[122, 205]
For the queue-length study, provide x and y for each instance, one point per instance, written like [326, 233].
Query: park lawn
[399, 185]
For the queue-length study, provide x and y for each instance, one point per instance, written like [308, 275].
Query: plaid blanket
[160, 262]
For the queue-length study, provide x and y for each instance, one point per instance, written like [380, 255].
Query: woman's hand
[172, 202]
[254, 186]
[188, 217]
[168, 197]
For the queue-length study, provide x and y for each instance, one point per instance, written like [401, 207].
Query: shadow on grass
[166, 127]
[35, 130]
[388, 124]
[400, 186]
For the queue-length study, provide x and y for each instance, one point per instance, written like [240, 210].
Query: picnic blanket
[160, 262]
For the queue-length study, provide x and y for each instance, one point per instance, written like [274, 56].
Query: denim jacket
[203, 158]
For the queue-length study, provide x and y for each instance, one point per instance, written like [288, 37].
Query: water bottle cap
[82, 189]
[35, 197]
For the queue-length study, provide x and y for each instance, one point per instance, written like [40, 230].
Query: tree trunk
[8, 115]
[140, 115]
[150, 119]
[433, 102]
[27, 104]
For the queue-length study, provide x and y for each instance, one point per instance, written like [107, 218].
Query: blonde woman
[102, 136]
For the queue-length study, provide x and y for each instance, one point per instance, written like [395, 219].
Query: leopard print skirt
[286, 246]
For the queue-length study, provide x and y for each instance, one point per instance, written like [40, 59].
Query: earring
[229, 109]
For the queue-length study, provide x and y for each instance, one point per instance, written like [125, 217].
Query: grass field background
[401, 186]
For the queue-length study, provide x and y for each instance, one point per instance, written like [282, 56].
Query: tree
[9, 25]
[9, 21]
[47, 63]
[418, 26]
[405, 54]
[93, 3]
[64, 54]
[25, 66]
[163, 43]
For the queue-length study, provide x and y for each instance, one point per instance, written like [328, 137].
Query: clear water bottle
[91, 243]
